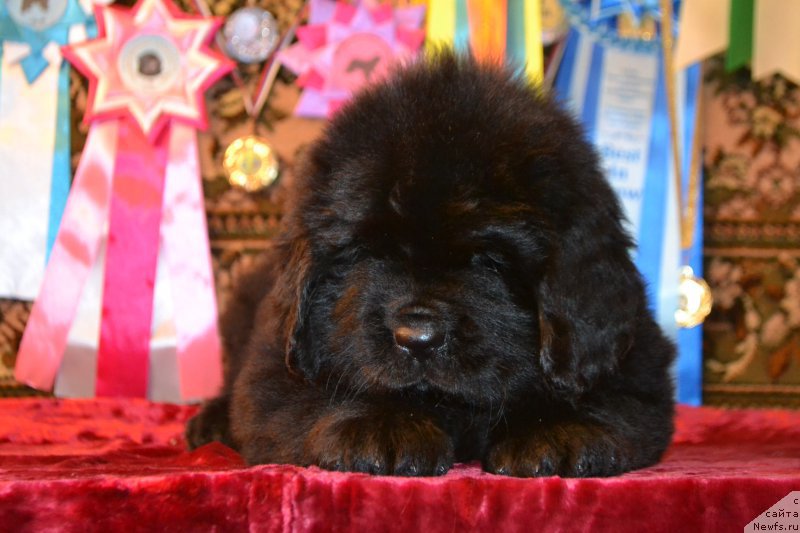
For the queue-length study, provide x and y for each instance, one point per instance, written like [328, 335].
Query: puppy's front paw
[567, 450]
[211, 423]
[380, 442]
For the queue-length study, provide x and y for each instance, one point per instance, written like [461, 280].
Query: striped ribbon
[493, 30]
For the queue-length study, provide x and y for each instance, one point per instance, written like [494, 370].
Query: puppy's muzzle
[418, 331]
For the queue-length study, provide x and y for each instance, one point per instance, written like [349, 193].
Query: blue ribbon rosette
[34, 134]
[612, 77]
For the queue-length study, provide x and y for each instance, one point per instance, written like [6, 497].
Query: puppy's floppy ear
[589, 299]
[292, 292]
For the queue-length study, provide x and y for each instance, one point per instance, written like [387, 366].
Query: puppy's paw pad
[360, 444]
[603, 455]
[519, 458]
[569, 450]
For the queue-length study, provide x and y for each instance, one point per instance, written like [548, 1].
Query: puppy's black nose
[418, 332]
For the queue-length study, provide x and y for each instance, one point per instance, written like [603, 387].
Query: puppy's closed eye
[491, 260]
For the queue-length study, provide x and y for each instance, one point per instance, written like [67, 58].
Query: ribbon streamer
[506, 30]
[488, 28]
[184, 237]
[534, 66]
[131, 255]
[441, 23]
[740, 24]
[74, 254]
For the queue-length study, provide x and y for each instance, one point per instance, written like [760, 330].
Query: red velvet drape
[120, 465]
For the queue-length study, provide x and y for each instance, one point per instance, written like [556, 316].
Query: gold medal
[250, 163]
[695, 299]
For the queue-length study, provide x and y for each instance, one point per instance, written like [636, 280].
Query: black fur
[456, 203]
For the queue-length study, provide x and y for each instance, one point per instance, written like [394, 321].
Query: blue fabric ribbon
[33, 65]
[62, 170]
[689, 378]
[461, 38]
[515, 34]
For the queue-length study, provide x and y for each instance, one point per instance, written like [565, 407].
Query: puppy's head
[456, 235]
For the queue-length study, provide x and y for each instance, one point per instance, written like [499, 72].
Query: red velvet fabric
[121, 465]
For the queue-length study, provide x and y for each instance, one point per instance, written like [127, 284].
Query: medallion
[251, 163]
[695, 299]
[251, 34]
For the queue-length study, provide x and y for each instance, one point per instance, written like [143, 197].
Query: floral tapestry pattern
[752, 239]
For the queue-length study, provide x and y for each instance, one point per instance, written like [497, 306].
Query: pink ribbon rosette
[138, 190]
[346, 46]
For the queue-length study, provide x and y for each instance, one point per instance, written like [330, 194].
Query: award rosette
[34, 134]
[137, 189]
[612, 76]
[345, 46]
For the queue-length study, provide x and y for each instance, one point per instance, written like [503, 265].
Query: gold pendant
[695, 299]
[250, 163]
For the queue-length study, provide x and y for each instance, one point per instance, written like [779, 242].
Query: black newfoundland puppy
[453, 283]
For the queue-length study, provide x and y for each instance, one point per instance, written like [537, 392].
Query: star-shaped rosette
[151, 63]
[345, 47]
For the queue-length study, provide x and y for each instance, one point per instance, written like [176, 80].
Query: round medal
[251, 34]
[250, 163]
[695, 299]
[37, 15]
